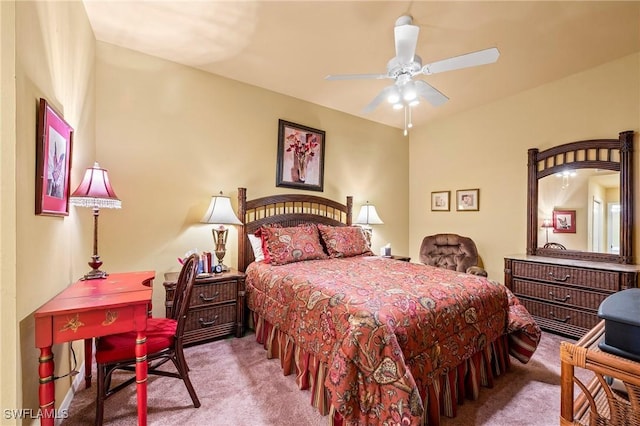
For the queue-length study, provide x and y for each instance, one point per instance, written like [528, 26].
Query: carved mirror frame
[609, 154]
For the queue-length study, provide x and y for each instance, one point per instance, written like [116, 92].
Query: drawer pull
[566, 277]
[567, 297]
[567, 318]
[209, 299]
[204, 323]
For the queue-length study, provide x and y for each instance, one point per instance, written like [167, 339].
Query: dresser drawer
[568, 296]
[558, 317]
[565, 275]
[213, 293]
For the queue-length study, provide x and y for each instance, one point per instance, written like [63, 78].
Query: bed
[376, 340]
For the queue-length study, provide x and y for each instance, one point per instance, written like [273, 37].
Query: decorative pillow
[344, 241]
[256, 245]
[260, 234]
[294, 244]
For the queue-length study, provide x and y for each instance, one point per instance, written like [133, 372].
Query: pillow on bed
[293, 244]
[256, 245]
[344, 241]
[260, 234]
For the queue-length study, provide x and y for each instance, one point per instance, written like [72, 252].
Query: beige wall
[55, 51]
[486, 148]
[8, 337]
[171, 136]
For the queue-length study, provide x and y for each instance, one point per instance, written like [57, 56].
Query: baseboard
[78, 381]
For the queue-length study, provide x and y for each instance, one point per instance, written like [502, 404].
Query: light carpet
[237, 385]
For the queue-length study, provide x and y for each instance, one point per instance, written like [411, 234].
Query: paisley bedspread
[386, 329]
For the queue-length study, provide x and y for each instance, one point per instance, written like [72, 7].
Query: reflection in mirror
[594, 195]
[590, 219]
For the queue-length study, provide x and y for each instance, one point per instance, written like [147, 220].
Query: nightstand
[403, 258]
[217, 306]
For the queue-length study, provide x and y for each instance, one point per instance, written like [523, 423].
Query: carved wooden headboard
[286, 210]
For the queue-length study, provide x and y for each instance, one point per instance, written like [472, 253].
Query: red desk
[94, 308]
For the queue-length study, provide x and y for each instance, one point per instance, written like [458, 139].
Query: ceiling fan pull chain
[406, 131]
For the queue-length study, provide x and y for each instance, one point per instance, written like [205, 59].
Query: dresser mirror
[580, 200]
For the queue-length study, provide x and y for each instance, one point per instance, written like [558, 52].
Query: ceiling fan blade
[384, 94]
[356, 76]
[481, 57]
[406, 37]
[430, 93]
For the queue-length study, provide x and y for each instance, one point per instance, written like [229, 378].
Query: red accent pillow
[293, 244]
[263, 238]
[344, 241]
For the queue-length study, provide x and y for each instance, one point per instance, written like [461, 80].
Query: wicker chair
[164, 343]
[451, 251]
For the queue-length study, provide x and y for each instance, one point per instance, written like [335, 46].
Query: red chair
[164, 343]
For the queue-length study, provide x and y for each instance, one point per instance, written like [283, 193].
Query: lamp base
[94, 275]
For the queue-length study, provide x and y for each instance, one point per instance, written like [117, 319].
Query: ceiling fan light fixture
[414, 102]
[394, 97]
[409, 94]
[409, 91]
[398, 105]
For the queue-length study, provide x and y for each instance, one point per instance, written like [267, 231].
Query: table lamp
[220, 213]
[366, 217]
[95, 192]
[546, 224]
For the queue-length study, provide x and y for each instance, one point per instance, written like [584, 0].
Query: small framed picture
[564, 221]
[468, 200]
[440, 201]
[54, 138]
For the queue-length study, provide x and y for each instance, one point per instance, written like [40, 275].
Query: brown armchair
[451, 251]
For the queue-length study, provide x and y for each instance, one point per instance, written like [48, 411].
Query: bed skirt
[441, 397]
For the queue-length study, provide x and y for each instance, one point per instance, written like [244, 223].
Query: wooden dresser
[563, 295]
[217, 306]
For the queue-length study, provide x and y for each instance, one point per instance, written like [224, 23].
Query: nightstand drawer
[564, 275]
[558, 294]
[210, 317]
[213, 293]
[207, 323]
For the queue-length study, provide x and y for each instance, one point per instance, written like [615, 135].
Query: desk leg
[88, 361]
[46, 390]
[141, 376]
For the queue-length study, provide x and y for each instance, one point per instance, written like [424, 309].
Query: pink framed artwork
[300, 157]
[564, 221]
[54, 138]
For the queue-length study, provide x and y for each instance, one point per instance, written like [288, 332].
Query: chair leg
[183, 369]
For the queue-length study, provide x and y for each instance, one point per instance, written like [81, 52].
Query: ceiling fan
[405, 92]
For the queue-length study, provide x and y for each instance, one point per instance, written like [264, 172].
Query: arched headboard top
[285, 210]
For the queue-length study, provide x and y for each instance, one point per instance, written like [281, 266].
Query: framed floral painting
[54, 138]
[300, 157]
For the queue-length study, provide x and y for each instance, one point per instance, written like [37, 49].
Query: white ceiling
[289, 47]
